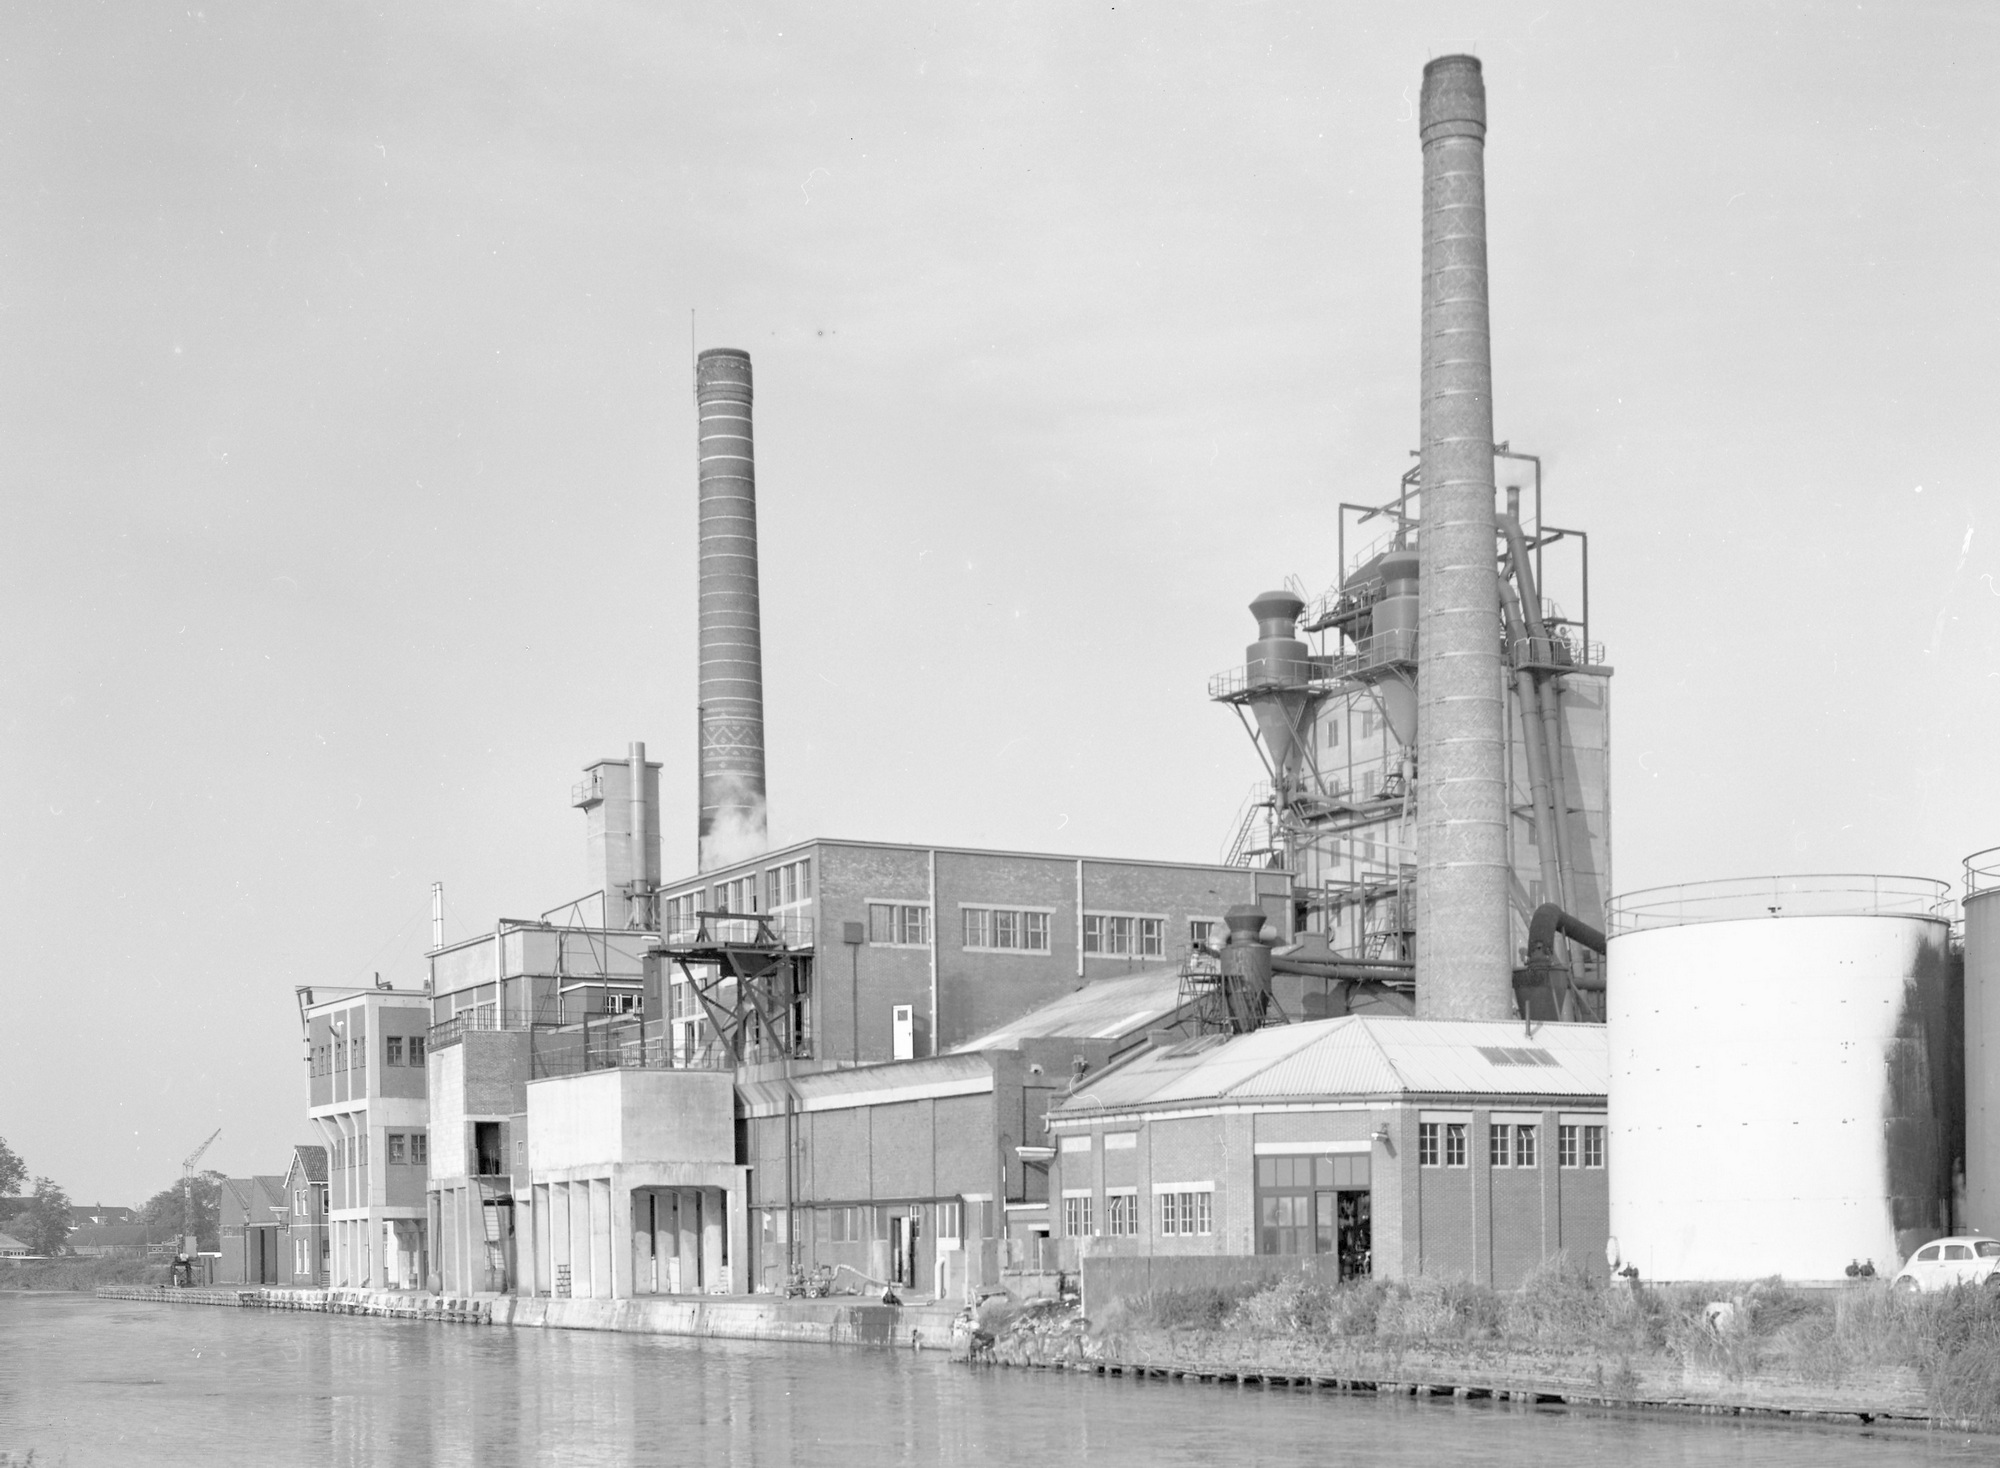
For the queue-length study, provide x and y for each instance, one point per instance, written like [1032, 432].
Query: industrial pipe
[637, 906]
[1464, 967]
[731, 693]
[1551, 706]
[1549, 920]
[1531, 740]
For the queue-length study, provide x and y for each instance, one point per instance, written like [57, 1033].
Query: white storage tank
[1982, 1040]
[1786, 1093]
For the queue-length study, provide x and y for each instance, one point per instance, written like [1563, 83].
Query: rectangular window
[1006, 929]
[398, 1150]
[1427, 1144]
[416, 1049]
[1500, 1145]
[393, 1050]
[1526, 1146]
[1566, 1146]
[899, 924]
[950, 1220]
[787, 884]
[1152, 937]
[420, 1148]
[1121, 1213]
[1201, 932]
[1454, 1144]
[1593, 1146]
[1114, 937]
[1170, 1213]
[678, 920]
[1076, 1215]
[1333, 732]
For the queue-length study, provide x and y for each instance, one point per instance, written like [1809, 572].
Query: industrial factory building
[1388, 1030]
[1390, 1146]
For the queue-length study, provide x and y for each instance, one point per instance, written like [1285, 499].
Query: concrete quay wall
[827, 1322]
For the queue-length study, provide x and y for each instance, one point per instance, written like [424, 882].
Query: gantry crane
[188, 1243]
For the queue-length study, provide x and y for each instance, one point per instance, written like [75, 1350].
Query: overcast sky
[349, 450]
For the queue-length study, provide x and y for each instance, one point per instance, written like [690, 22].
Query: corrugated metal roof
[1368, 1055]
[1104, 1009]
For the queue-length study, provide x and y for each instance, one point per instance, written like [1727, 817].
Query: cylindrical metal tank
[1982, 1041]
[731, 690]
[1784, 1077]
[1464, 959]
[1393, 632]
[1276, 670]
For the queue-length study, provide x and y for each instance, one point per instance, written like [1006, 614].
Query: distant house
[253, 1214]
[105, 1240]
[13, 1248]
[306, 1237]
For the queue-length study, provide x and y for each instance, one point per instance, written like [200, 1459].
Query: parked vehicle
[1970, 1259]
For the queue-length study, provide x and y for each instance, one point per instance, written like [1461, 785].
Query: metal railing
[626, 1045]
[1982, 871]
[1555, 652]
[1835, 894]
[492, 1017]
[792, 929]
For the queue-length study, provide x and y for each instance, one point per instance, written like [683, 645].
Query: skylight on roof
[1517, 1055]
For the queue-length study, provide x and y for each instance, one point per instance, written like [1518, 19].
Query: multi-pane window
[398, 1148]
[1187, 1212]
[949, 1220]
[420, 1148]
[1500, 1145]
[358, 1052]
[393, 1050]
[678, 919]
[1076, 1215]
[1593, 1146]
[900, 924]
[1427, 1143]
[792, 882]
[1202, 932]
[1454, 1144]
[738, 894]
[1566, 1145]
[416, 1049]
[1117, 936]
[1526, 1145]
[1316, 1205]
[1008, 929]
[1121, 1211]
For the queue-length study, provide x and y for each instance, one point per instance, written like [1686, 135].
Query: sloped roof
[950, 1074]
[1359, 1055]
[311, 1159]
[108, 1235]
[11, 1245]
[1103, 1009]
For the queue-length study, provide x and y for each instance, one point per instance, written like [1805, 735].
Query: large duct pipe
[1528, 698]
[644, 858]
[732, 822]
[1543, 648]
[1463, 963]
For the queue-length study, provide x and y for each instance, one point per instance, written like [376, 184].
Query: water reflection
[93, 1381]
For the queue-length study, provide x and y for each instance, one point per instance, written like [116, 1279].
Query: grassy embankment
[1863, 1349]
[78, 1273]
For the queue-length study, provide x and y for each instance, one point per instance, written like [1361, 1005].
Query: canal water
[88, 1381]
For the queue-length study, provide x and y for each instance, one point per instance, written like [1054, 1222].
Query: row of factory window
[778, 887]
[1179, 1210]
[1509, 1144]
[1371, 721]
[1026, 930]
[352, 1054]
[867, 1224]
[412, 1149]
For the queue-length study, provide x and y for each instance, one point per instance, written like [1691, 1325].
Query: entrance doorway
[1317, 1205]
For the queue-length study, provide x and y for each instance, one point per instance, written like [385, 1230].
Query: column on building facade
[602, 1249]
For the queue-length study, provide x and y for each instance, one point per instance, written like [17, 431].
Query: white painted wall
[1748, 1089]
[614, 1118]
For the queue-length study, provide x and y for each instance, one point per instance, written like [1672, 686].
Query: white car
[1970, 1259]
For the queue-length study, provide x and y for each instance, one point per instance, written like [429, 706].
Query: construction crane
[189, 1244]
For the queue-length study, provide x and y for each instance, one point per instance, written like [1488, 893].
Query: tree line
[41, 1217]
